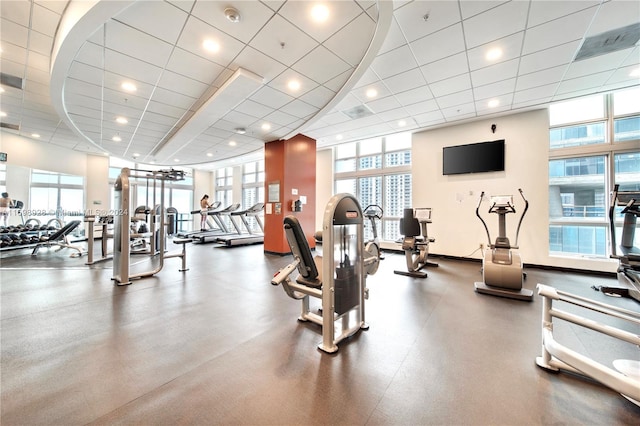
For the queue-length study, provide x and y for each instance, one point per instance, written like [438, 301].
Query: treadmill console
[502, 200]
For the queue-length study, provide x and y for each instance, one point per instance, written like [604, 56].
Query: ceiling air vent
[9, 126]
[611, 41]
[11, 81]
[359, 111]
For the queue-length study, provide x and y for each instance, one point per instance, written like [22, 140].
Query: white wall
[453, 198]
[97, 183]
[324, 183]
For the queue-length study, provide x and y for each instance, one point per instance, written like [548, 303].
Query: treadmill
[212, 236]
[210, 222]
[249, 237]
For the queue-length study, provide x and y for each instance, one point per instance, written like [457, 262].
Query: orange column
[290, 173]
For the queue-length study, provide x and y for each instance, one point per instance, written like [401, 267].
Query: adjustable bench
[59, 239]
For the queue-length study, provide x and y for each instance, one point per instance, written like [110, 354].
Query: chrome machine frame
[122, 220]
[342, 311]
[556, 356]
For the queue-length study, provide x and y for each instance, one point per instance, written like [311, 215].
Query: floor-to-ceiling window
[377, 171]
[594, 144]
[252, 189]
[56, 196]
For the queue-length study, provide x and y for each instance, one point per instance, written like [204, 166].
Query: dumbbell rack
[19, 243]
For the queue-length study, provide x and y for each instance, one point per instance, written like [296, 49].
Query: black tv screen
[473, 158]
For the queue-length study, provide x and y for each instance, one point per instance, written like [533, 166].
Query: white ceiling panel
[596, 64]
[439, 15]
[271, 97]
[493, 73]
[495, 89]
[558, 55]
[405, 81]
[136, 69]
[318, 97]
[282, 41]
[455, 99]
[13, 33]
[196, 32]
[394, 62]
[540, 78]
[439, 45]
[451, 85]
[614, 14]
[176, 82]
[422, 106]
[298, 108]
[167, 23]
[395, 38]
[321, 65]
[253, 16]
[259, 63]
[560, 31]
[446, 68]
[193, 66]
[414, 95]
[40, 43]
[136, 44]
[580, 84]
[499, 22]
[44, 21]
[510, 46]
[340, 13]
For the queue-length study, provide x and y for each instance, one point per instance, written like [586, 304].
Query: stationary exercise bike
[373, 212]
[501, 266]
[415, 241]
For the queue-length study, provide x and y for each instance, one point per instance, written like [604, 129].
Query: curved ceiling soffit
[81, 19]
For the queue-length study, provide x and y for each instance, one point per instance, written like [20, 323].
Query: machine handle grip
[284, 273]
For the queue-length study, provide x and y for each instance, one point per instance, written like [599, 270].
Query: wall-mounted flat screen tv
[473, 158]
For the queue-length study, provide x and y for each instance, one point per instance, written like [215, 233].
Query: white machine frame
[416, 244]
[342, 214]
[556, 356]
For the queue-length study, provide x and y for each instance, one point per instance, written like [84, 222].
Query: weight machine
[122, 224]
[337, 277]
[627, 253]
[415, 241]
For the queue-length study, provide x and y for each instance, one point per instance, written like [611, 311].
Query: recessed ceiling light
[372, 93]
[635, 73]
[339, 137]
[3, 114]
[211, 45]
[493, 54]
[240, 130]
[116, 138]
[121, 120]
[1, 89]
[35, 135]
[493, 103]
[319, 13]
[128, 86]
[294, 85]
[266, 126]
[232, 143]
[402, 123]
[136, 155]
[209, 154]
[177, 160]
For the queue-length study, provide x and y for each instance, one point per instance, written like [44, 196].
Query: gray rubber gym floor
[219, 345]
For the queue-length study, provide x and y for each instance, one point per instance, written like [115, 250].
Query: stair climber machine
[337, 277]
[501, 265]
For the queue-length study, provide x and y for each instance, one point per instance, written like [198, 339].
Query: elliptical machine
[373, 212]
[501, 266]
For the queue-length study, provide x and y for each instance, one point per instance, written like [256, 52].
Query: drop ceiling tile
[368, 77]
[540, 78]
[495, 89]
[118, 63]
[441, 44]
[38, 76]
[83, 88]
[321, 65]
[271, 97]
[629, 75]
[451, 85]
[13, 33]
[253, 16]
[361, 92]
[15, 11]
[394, 62]
[193, 66]
[253, 108]
[352, 42]
[40, 43]
[280, 118]
[541, 11]
[499, 22]
[596, 64]
[336, 84]
[280, 83]
[446, 68]
[456, 99]
[383, 104]
[340, 14]
[196, 32]
[259, 63]
[165, 110]
[441, 14]
[394, 39]
[13, 53]
[136, 44]
[167, 23]
[581, 84]
[414, 95]
[459, 112]
[557, 32]
[549, 58]
[298, 108]
[173, 82]
[38, 62]
[238, 119]
[504, 103]
[393, 115]
[511, 48]
[57, 6]
[335, 118]
[44, 21]
[614, 14]
[169, 97]
[493, 73]
[278, 31]
[90, 74]
[422, 107]
[318, 97]
[405, 81]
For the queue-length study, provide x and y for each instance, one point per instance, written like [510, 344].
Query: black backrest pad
[409, 225]
[64, 231]
[300, 248]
